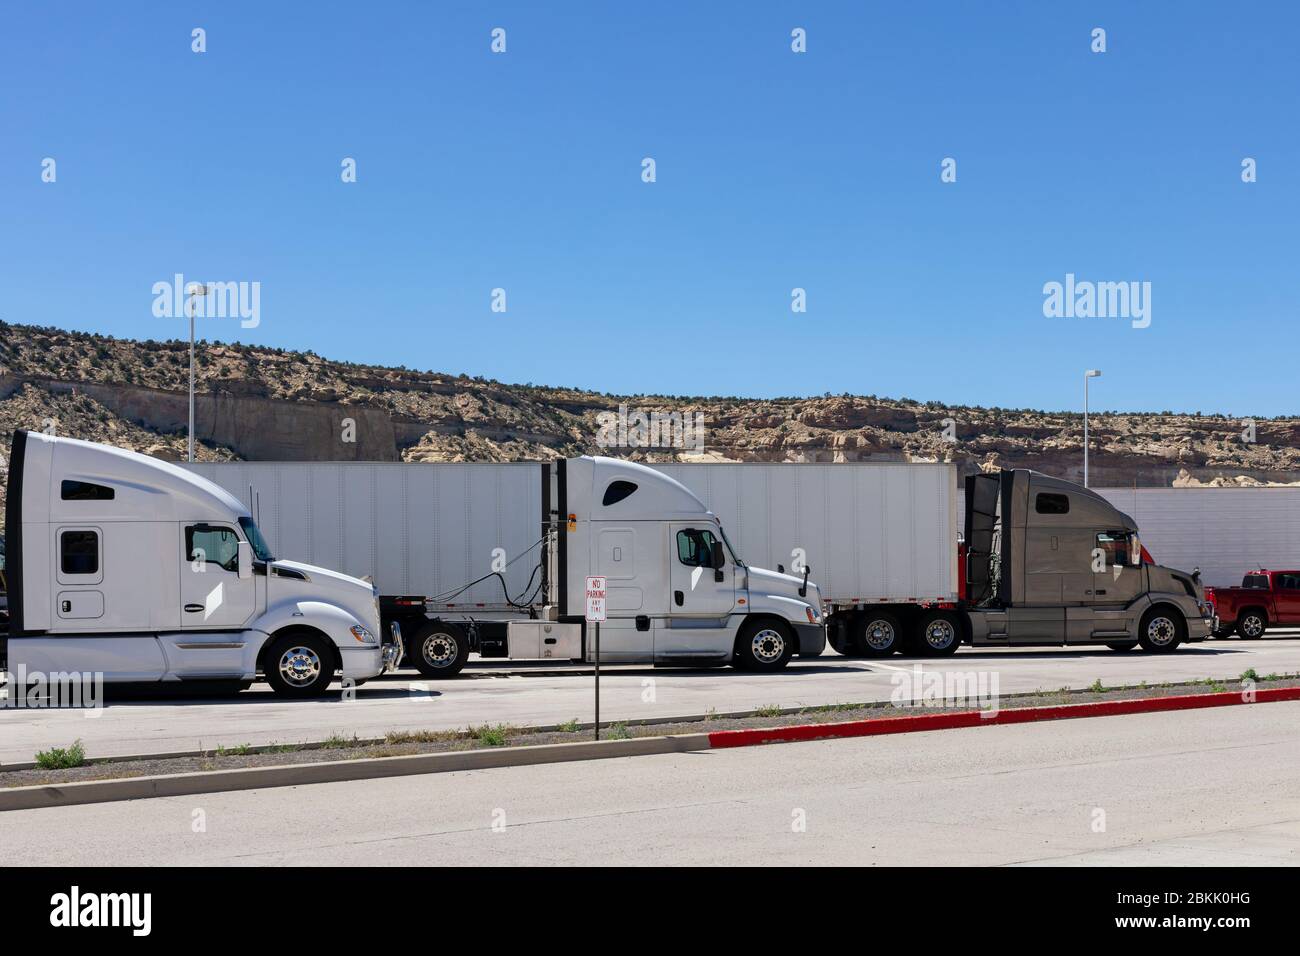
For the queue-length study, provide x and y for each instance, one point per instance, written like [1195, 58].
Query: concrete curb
[255, 778]
[975, 718]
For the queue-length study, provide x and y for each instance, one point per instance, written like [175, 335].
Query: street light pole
[1090, 373]
[196, 290]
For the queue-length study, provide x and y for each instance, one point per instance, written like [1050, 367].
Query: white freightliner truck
[1065, 567]
[122, 565]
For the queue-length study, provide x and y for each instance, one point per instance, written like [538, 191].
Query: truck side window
[79, 552]
[695, 548]
[1114, 544]
[617, 491]
[85, 491]
[1291, 581]
[212, 545]
[1050, 504]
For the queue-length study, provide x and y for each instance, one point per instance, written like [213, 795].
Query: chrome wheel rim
[940, 634]
[300, 666]
[1161, 631]
[879, 635]
[1252, 626]
[768, 646]
[439, 650]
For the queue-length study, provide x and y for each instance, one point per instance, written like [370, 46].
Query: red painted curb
[973, 718]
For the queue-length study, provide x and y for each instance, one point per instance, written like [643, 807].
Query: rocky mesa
[262, 403]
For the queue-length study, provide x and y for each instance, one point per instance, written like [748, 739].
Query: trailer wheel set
[913, 632]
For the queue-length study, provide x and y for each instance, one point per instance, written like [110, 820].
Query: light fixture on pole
[195, 290]
[1090, 373]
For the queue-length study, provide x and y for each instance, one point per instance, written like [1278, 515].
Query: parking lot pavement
[499, 692]
[1210, 787]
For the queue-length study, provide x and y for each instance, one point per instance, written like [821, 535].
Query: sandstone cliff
[261, 403]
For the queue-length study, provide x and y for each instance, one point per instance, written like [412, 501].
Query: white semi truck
[124, 566]
[461, 551]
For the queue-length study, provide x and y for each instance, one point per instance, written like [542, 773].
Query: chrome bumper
[392, 651]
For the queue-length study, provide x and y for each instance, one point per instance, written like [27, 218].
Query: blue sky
[775, 170]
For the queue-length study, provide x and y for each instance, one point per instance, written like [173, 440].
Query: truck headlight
[363, 635]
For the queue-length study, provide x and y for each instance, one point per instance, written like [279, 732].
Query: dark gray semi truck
[1050, 562]
[1044, 562]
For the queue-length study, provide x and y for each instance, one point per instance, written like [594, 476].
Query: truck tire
[439, 649]
[876, 635]
[1162, 630]
[300, 665]
[764, 645]
[1252, 624]
[938, 634]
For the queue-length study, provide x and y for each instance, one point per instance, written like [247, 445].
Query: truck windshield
[255, 540]
[730, 550]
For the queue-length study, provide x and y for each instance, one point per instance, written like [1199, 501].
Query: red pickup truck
[1265, 598]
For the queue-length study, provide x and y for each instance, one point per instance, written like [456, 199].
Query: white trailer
[872, 532]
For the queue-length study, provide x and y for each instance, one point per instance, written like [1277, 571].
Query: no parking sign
[596, 598]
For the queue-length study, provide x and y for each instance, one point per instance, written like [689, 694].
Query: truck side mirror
[719, 561]
[245, 560]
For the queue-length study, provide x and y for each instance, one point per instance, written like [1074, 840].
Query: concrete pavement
[1188, 788]
[492, 692]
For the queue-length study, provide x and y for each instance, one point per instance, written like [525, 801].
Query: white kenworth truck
[135, 569]
[503, 552]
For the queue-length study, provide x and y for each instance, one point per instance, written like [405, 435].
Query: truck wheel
[938, 635]
[1252, 624]
[439, 650]
[764, 646]
[1161, 630]
[300, 665]
[876, 635]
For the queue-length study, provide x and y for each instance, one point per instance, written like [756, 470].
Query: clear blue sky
[775, 170]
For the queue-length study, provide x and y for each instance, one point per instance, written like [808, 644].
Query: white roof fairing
[144, 488]
[657, 496]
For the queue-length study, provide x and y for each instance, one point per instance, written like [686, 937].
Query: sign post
[596, 614]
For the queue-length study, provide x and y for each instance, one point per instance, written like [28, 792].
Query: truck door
[213, 596]
[693, 580]
[1116, 584]
[1286, 597]
[1119, 582]
[702, 595]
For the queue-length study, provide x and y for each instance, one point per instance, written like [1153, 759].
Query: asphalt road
[1217, 786]
[492, 692]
